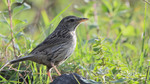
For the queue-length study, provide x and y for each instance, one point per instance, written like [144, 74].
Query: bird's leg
[49, 74]
[55, 68]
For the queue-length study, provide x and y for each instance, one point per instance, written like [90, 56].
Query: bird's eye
[71, 20]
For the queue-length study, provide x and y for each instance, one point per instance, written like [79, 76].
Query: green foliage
[112, 48]
[18, 9]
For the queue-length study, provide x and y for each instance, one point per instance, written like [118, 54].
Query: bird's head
[71, 22]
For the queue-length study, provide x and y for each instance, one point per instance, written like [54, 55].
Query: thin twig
[146, 2]
[95, 16]
[146, 75]
[11, 26]
[20, 75]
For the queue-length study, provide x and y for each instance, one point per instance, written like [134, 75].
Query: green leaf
[107, 5]
[132, 47]
[1, 77]
[104, 8]
[45, 17]
[16, 21]
[96, 49]
[128, 31]
[19, 9]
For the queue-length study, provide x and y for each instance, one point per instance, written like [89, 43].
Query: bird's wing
[52, 40]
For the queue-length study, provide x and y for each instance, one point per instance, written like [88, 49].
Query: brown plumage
[57, 47]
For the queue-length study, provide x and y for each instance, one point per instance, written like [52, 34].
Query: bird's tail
[16, 60]
[20, 59]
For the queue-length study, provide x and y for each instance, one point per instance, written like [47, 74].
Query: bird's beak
[82, 20]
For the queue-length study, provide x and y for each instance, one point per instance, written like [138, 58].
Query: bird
[57, 47]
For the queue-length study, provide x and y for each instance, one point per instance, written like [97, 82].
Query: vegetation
[113, 46]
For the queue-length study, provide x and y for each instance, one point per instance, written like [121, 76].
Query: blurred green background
[113, 46]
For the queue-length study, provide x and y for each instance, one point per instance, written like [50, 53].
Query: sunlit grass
[119, 54]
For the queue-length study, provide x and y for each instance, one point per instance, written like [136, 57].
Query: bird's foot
[49, 74]
[55, 69]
